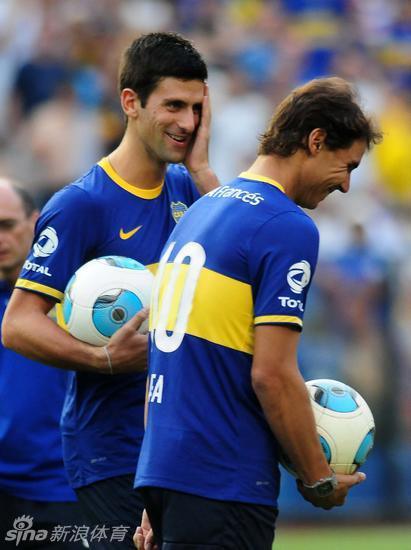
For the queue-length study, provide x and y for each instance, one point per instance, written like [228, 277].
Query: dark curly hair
[327, 103]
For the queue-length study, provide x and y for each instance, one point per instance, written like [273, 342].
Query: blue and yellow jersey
[99, 215]
[31, 399]
[243, 256]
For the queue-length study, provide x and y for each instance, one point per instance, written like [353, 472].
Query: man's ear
[316, 140]
[130, 102]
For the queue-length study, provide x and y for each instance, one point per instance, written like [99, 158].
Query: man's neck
[134, 165]
[284, 171]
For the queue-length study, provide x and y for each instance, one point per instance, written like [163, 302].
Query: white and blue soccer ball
[102, 295]
[345, 425]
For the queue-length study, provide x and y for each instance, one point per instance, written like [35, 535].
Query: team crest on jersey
[299, 275]
[178, 210]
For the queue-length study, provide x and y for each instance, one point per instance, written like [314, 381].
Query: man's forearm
[288, 411]
[39, 338]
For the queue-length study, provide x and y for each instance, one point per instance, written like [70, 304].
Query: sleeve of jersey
[283, 257]
[181, 176]
[65, 232]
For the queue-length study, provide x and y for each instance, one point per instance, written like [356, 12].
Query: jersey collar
[104, 163]
[256, 177]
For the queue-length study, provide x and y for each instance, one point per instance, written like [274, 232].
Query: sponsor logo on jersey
[37, 268]
[286, 301]
[227, 192]
[298, 276]
[178, 209]
[46, 244]
[127, 234]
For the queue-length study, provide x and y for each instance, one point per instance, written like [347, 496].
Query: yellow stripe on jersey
[222, 310]
[37, 287]
[256, 177]
[104, 163]
[267, 319]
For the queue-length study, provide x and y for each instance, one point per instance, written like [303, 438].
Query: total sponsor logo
[46, 244]
[298, 276]
[37, 268]
[291, 303]
[226, 192]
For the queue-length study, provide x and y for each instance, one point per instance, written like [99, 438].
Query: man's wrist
[109, 363]
[99, 361]
[205, 179]
[201, 172]
[323, 487]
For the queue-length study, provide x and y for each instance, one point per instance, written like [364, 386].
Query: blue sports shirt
[242, 256]
[31, 399]
[101, 214]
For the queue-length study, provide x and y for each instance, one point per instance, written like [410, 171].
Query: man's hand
[337, 498]
[196, 160]
[143, 537]
[127, 348]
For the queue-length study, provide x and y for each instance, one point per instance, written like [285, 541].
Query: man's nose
[345, 187]
[187, 121]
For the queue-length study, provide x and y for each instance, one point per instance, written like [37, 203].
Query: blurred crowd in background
[59, 113]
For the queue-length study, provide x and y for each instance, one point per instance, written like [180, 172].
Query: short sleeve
[283, 256]
[65, 233]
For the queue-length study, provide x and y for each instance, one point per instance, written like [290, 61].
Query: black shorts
[188, 522]
[111, 503]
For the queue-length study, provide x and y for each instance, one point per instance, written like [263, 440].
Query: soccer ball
[345, 425]
[102, 295]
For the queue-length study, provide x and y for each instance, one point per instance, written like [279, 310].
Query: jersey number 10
[173, 294]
